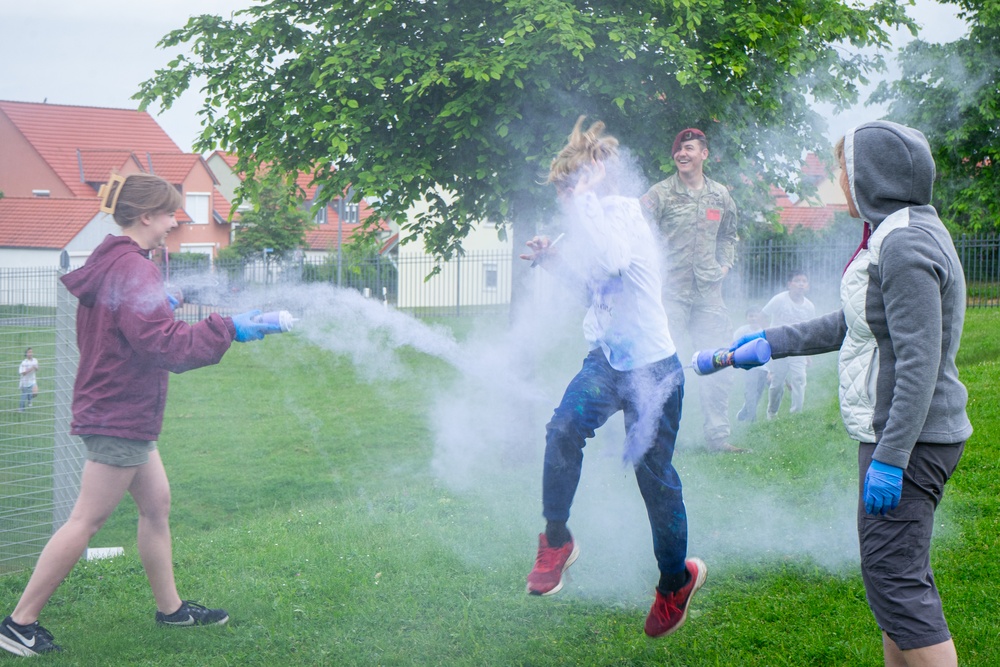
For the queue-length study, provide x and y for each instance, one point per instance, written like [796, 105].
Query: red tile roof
[174, 167]
[57, 132]
[98, 164]
[321, 237]
[324, 237]
[40, 222]
[389, 244]
[780, 197]
[808, 217]
[814, 167]
[303, 182]
[222, 206]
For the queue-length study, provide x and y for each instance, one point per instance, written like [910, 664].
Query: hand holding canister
[756, 352]
[254, 325]
[276, 321]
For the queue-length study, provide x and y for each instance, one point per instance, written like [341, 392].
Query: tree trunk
[523, 227]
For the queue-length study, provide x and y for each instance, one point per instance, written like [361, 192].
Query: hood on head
[889, 167]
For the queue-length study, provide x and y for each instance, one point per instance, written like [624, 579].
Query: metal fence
[763, 269]
[980, 257]
[40, 463]
[475, 282]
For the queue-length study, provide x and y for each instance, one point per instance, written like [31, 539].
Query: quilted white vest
[858, 362]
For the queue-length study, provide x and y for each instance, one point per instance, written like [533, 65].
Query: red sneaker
[550, 563]
[670, 611]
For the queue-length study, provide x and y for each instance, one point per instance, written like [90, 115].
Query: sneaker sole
[698, 583]
[16, 648]
[192, 623]
[558, 587]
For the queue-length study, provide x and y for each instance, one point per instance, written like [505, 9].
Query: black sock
[671, 583]
[557, 534]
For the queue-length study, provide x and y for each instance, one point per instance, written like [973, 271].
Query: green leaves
[277, 220]
[472, 98]
[951, 92]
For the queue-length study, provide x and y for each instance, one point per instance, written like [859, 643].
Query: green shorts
[120, 452]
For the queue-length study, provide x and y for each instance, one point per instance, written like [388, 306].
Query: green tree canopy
[951, 92]
[463, 103]
[277, 219]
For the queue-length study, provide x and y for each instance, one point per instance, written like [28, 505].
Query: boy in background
[756, 378]
[789, 307]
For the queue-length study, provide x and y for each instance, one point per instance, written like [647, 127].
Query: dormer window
[41, 193]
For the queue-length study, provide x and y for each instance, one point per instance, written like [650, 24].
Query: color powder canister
[754, 352]
[280, 320]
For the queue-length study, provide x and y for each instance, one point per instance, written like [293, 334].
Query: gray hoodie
[903, 304]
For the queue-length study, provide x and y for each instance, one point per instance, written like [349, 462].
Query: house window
[349, 213]
[197, 206]
[321, 217]
[490, 276]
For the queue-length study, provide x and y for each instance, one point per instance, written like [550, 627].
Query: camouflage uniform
[698, 229]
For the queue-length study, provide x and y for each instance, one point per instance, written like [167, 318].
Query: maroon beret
[689, 134]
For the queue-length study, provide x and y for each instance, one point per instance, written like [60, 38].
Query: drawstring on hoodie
[865, 235]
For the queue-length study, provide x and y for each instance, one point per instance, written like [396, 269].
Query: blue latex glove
[883, 486]
[743, 340]
[746, 338]
[247, 329]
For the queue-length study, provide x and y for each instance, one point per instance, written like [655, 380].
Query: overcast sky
[96, 52]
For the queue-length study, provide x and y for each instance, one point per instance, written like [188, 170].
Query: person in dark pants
[898, 331]
[632, 367]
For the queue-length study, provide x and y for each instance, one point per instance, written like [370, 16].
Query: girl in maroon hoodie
[129, 342]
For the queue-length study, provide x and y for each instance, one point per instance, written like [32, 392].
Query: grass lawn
[349, 520]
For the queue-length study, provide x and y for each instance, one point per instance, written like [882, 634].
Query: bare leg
[151, 492]
[101, 489]
[938, 655]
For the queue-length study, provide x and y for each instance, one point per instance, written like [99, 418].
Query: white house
[479, 277]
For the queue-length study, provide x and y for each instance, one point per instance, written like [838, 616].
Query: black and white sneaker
[26, 640]
[193, 614]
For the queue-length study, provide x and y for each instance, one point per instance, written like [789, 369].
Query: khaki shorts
[120, 452]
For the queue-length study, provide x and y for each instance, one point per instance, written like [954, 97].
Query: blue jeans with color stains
[650, 398]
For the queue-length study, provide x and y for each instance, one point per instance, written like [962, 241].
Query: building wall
[484, 281]
[830, 194]
[25, 258]
[21, 168]
[480, 278]
[198, 237]
[228, 181]
[91, 236]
